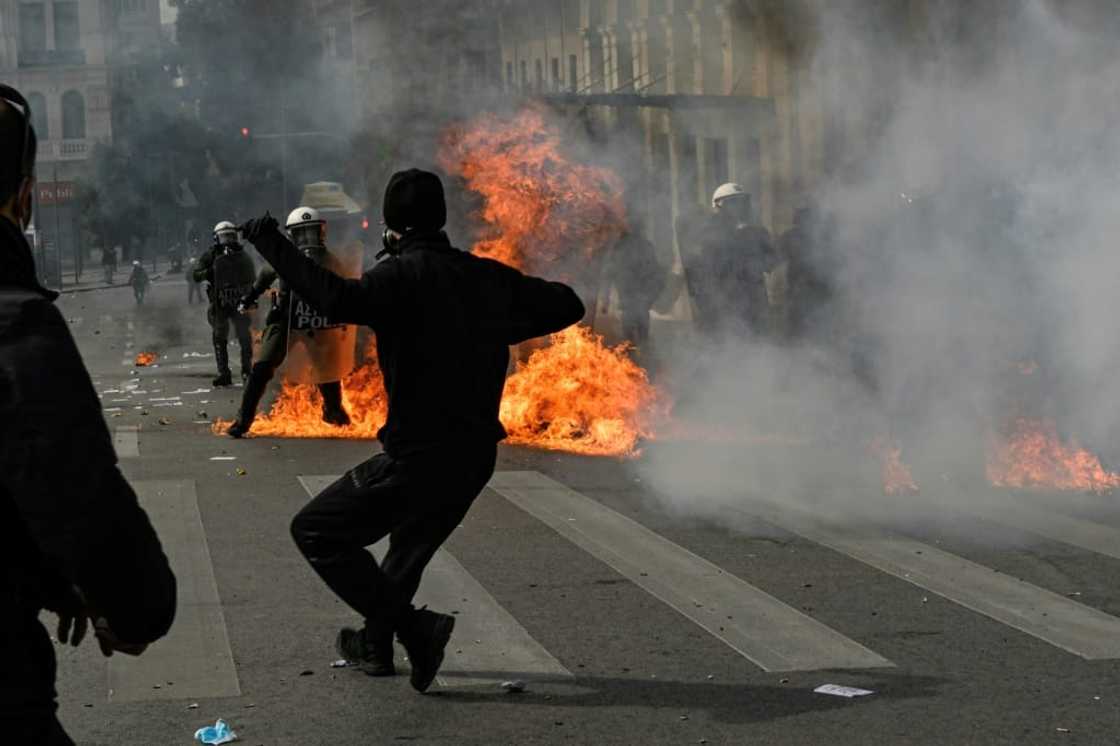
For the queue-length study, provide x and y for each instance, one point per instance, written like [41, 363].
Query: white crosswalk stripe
[773, 635]
[1060, 621]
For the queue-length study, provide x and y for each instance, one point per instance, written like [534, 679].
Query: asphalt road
[630, 620]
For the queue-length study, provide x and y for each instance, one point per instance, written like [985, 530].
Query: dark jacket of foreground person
[444, 321]
[69, 517]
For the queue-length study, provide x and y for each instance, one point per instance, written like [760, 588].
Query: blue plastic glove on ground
[217, 733]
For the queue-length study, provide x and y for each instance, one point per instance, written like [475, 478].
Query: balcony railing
[65, 150]
[51, 57]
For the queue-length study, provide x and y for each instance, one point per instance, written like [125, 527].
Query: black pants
[220, 320]
[417, 502]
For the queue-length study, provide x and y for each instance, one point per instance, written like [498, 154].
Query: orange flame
[544, 213]
[580, 396]
[298, 410]
[1032, 456]
[896, 475]
[144, 359]
[541, 208]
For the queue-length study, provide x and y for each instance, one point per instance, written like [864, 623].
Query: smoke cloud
[971, 248]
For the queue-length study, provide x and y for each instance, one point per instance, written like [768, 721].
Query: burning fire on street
[145, 359]
[580, 396]
[545, 214]
[1031, 455]
[896, 475]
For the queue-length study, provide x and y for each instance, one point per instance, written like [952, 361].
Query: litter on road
[513, 687]
[842, 691]
[218, 733]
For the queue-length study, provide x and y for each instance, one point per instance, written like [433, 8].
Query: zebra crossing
[490, 645]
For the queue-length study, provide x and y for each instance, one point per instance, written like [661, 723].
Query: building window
[510, 82]
[573, 73]
[67, 34]
[540, 76]
[73, 116]
[32, 27]
[39, 115]
[556, 83]
[524, 75]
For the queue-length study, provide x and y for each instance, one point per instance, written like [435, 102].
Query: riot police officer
[294, 321]
[229, 272]
[727, 277]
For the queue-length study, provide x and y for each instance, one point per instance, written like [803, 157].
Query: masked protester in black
[444, 320]
[228, 272]
[76, 541]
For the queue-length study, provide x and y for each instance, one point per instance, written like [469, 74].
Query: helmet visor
[309, 236]
[227, 238]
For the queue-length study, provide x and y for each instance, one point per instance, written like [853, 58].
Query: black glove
[257, 227]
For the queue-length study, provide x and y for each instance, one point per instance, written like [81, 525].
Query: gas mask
[391, 243]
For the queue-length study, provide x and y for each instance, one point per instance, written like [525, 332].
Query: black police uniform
[229, 272]
[727, 279]
[444, 320]
[274, 350]
[69, 517]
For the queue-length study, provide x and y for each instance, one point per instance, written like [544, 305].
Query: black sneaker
[372, 660]
[225, 379]
[424, 635]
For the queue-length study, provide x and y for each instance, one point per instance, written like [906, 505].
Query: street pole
[284, 156]
[57, 229]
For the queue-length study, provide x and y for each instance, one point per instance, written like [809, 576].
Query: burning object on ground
[896, 475]
[1031, 455]
[580, 396]
[146, 359]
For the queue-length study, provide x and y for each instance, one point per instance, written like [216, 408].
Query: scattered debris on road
[146, 359]
[513, 687]
[842, 691]
[340, 663]
[218, 733]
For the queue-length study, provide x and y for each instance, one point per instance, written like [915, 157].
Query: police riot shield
[234, 274]
[321, 350]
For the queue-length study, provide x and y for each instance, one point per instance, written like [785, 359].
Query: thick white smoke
[974, 232]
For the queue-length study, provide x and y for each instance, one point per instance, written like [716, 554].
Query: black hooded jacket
[69, 517]
[444, 321]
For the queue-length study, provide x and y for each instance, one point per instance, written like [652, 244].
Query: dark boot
[221, 355]
[250, 400]
[424, 635]
[333, 411]
[371, 657]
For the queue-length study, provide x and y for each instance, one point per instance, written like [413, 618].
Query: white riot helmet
[308, 229]
[225, 233]
[727, 191]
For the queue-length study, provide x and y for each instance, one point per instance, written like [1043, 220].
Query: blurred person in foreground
[444, 321]
[76, 541]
